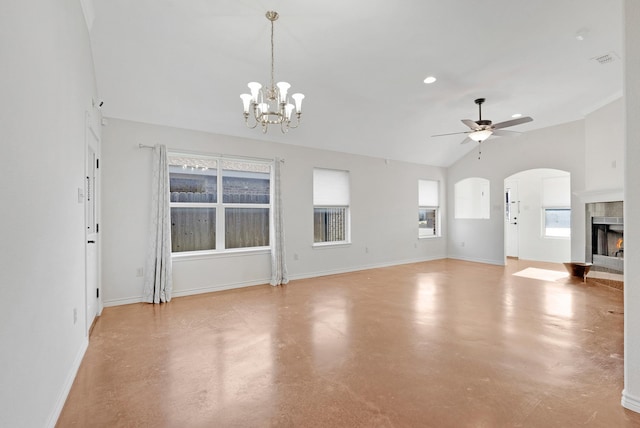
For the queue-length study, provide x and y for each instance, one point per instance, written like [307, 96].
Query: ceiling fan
[482, 129]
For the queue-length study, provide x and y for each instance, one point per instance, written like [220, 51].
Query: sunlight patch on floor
[542, 274]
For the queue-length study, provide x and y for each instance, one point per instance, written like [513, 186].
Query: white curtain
[278, 263]
[157, 279]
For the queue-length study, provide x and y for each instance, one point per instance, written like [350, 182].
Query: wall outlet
[139, 272]
[75, 315]
[366, 250]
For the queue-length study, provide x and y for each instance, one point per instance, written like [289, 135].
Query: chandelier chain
[272, 57]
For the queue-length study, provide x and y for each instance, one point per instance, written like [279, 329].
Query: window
[331, 200]
[557, 222]
[472, 198]
[428, 209]
[556, 206]
[201, 220]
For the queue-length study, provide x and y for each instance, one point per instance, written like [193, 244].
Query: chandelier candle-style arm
[269, 105]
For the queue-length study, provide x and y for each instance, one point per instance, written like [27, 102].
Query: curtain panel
[157, 279]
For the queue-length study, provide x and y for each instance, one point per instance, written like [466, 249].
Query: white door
[512, 213]
[91, 223]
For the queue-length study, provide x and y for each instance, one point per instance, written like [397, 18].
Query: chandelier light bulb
[246, 101]
[255, 90]
[297, 98]
[288, 109]
[283, 87]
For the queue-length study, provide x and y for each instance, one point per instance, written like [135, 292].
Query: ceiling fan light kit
[270, 105]
[482, 129]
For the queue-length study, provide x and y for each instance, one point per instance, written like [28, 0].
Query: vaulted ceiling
[361, 65]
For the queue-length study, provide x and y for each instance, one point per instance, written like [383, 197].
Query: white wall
[631, 393]
[604, 146]
[558, 147]
[384, 212]
[533, 245]
[47, 85]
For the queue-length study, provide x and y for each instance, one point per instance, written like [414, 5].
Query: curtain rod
[218, 155]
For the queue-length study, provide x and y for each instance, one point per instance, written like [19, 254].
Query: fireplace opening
[607, 243]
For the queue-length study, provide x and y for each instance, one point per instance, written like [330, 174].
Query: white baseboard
[629, 402]
[219, 287]
[66, 388]
[478, 260]
[231, 286]
[123, 301]
[363, 267]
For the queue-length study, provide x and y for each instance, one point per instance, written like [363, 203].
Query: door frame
[92, 142]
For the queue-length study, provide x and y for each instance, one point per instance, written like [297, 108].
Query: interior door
[512, 213]
[91, 223]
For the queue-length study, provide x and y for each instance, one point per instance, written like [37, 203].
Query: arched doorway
[537, 223]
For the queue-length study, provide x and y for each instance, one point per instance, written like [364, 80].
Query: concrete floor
[437, 344]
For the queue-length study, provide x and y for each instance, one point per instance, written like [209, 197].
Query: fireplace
[607, 243]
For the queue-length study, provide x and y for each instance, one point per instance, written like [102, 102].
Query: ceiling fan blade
[453, 133]
[512, 122]
[505, 133]
[470, 123]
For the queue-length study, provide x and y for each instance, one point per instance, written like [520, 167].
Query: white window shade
[330, 187]
[556, 191]
[428, 193]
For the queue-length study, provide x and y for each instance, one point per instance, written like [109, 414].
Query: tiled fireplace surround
[608, 273]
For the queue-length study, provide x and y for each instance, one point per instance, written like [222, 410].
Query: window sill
[202, 255]
[430, 237]
[325, 245]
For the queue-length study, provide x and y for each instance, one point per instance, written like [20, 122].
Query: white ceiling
[361, 65]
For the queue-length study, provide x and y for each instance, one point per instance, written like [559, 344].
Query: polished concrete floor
[437, 344]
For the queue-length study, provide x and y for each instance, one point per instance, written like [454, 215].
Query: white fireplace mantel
[600, 195]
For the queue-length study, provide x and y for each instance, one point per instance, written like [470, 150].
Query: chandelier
[270, 105]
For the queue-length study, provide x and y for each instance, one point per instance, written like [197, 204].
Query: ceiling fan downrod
[481, 122]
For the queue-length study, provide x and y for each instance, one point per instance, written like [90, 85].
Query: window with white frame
[556, 206]
[331, 199]
[428, 209]
[218, 204]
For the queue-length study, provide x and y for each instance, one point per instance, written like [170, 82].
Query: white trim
[629, 402]
[265, 281]
[123, 301]
[364, 267]
[330, 244]
[601, 195]
[220, 287]
[478, 260]
[66, 388]
[209, 254]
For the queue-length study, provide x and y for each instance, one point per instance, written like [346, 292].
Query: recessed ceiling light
[516, 115]
[429, 79]
[582, 34]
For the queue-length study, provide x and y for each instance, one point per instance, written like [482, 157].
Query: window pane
[426, 222]
[557, 222]
[246, 227]
[193, 229]
[245, 183]
[329, 224]
[191, 184]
